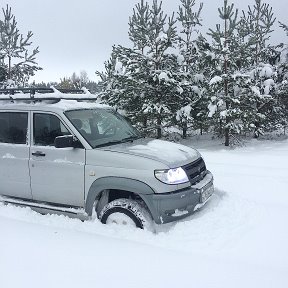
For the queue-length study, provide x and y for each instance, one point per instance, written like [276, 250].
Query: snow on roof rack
[39, 94]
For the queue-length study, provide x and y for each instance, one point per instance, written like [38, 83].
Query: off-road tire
[130, 208]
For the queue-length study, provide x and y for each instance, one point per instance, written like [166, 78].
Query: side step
[45, 208]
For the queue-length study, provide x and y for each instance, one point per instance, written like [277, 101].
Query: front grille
[196, 170]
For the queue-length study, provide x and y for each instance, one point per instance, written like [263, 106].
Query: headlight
[172, 176]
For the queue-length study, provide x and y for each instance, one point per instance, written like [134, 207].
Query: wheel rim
[120, 219]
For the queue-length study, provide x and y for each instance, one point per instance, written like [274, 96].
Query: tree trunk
[184, 131]
[145, 121]
[9, 67]
[159, 132]
[227, 137]
[226, 131]
[256, 133]
[220, 128]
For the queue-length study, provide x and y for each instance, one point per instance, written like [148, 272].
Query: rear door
[14, 154]
[57, 175]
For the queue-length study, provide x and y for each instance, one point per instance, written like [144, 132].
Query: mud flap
[102, 202]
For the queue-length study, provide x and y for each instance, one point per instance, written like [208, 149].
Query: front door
[57, 174]
[14, 155]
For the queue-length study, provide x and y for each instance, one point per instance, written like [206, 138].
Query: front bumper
[168, 207]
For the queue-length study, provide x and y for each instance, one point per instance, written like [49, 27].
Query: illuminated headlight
[172, 176]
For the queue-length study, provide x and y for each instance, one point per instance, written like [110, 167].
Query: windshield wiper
[131, 138]
[114, 142]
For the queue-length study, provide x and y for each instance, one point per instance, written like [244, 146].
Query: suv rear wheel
[126, 212]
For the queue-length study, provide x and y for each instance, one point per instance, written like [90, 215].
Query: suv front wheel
[126, 212]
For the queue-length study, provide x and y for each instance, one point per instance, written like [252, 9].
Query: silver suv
[64, 153]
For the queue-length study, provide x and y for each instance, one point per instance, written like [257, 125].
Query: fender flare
[118, 183]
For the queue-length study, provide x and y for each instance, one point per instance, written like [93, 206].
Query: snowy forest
[176, 79]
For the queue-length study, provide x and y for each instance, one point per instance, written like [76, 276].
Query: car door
[57, 174]
[14, 154]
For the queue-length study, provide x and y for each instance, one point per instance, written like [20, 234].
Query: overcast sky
[75, 35]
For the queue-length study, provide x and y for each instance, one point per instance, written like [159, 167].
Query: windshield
[102, 127]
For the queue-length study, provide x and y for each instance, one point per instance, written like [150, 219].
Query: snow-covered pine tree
[16, 58]
[134, 75]
[112, 83]
[142, 79]
[122, 85]
[205, 70]
[191, 79]
[162, 84]
[139, 26]
[228, 80]
[262, 101]
[75, 79]
[282, 81]
[125, 79]
[66, 83]
[81, 80]
[259, 23]
[284, 26]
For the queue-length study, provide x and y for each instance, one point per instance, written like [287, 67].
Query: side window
[46, 127]
[13, 127]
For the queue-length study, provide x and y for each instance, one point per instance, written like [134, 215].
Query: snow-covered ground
[239, 239]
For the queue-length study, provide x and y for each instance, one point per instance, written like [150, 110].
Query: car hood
[170, 154]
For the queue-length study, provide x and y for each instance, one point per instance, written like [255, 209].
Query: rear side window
[46, 128]
[13, 127]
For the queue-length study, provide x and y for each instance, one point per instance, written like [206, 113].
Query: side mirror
[66, 141]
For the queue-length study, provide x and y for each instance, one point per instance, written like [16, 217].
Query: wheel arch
[129, 185]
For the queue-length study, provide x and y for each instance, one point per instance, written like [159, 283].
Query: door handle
[38, 154]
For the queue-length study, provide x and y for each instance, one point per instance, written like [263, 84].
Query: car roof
[50, 102]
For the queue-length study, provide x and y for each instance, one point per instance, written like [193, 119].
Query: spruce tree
[17, 59]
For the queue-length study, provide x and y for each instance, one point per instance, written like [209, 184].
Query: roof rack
[39, 94]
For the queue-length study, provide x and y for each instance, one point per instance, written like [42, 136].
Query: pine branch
[14, 49]
[283, 26]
